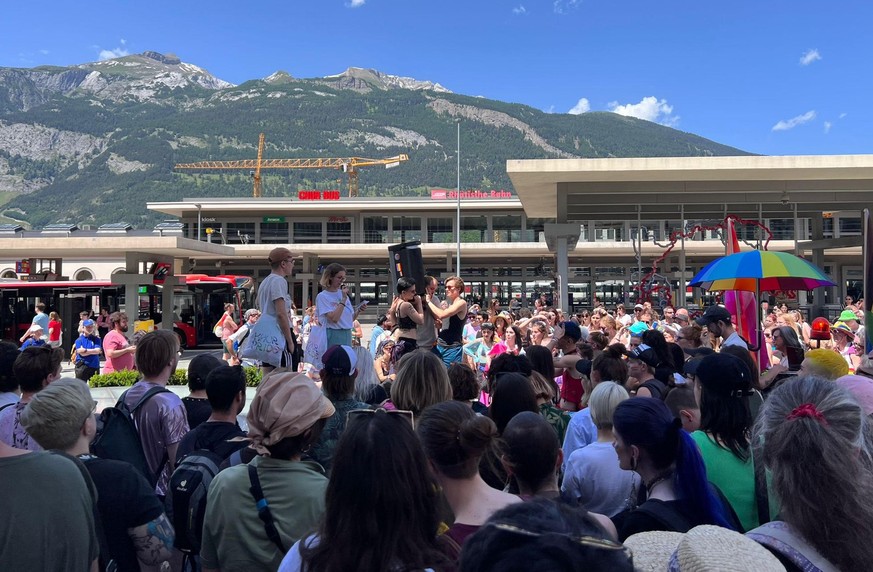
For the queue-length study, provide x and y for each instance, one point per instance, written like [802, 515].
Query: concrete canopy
[111, 246]
[698, 187]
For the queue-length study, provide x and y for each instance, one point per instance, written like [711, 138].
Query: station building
[587, 229]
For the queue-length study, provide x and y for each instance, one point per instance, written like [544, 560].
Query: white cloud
[551, 109]
[827, 126]
[794, 121]
[649, 108]
[582, 106]
[809, 56]
[356, 3]
[118, 52]
[519, 10]
[842, 115]
[44, 52]
[564, 6]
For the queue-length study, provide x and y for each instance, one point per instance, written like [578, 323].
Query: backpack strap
[762, 499]
[779, 538]
[667, 517]
[235, 458]
[148, 395]
[264, 508]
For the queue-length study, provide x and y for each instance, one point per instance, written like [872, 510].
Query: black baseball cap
[714, 314]
[583, 366]
[724, 373]
[645, 354]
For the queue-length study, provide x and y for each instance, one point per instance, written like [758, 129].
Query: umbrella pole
[756, 345]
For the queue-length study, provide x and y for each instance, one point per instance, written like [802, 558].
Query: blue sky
[772, 77]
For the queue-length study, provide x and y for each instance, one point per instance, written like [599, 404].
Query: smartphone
[795, 358]
[362, 305]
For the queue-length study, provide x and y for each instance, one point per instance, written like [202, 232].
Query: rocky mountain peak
[279, 76]
[363, 79]
[169, 59]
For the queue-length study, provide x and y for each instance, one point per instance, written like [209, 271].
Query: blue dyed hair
[648, 423]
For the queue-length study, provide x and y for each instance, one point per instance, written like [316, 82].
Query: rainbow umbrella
[760, 270]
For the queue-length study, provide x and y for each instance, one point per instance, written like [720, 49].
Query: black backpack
[117, 436]
[186, 497]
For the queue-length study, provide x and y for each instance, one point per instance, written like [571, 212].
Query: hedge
[180, 377]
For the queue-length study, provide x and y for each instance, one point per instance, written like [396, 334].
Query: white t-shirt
[271, 289]
[594, 478]
[235, 337]
[326, 302]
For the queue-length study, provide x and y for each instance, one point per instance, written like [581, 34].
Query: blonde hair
[55, 415]
[825, 363]
[421, 381]
[603, 402]
[329, 272]
[541, 386]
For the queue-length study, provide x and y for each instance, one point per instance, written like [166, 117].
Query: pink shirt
[116, 341]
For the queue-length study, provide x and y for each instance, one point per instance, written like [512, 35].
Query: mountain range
[93, 143]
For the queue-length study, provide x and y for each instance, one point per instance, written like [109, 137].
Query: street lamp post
[458, 190]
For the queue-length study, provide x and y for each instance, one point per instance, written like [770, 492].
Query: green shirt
[234, 537]
[47, 513]
[734, 478]
[557, 418]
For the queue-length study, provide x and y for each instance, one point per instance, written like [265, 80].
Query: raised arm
[415, 312]
[459, 307]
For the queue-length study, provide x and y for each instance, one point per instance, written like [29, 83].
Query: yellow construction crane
[348, 165]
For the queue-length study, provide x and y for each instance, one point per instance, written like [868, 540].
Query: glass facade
[240, 232]
[339, 232]
[307, 233]
[474, 229]
[375, 230]
[275, 233]
[507, 228]
[405, 228]
[440, 229]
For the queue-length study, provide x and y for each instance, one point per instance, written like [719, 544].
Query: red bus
[198, 303]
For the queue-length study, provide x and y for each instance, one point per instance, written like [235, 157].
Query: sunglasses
[369, 413]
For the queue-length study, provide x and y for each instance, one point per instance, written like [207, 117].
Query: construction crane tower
[348, 165]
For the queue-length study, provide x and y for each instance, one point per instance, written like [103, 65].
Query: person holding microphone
[333, 307]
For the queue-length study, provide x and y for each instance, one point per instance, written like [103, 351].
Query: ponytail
[692, 486]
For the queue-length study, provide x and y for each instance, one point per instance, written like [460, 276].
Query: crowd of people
[462, 438]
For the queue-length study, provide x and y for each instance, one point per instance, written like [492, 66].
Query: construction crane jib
[348, 165]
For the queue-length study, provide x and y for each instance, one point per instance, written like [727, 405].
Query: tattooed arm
[153, 541]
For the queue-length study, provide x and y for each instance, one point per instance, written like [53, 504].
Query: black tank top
[455, 332]
[405, 323]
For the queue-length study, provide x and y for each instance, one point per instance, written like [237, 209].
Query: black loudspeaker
[405, 260]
